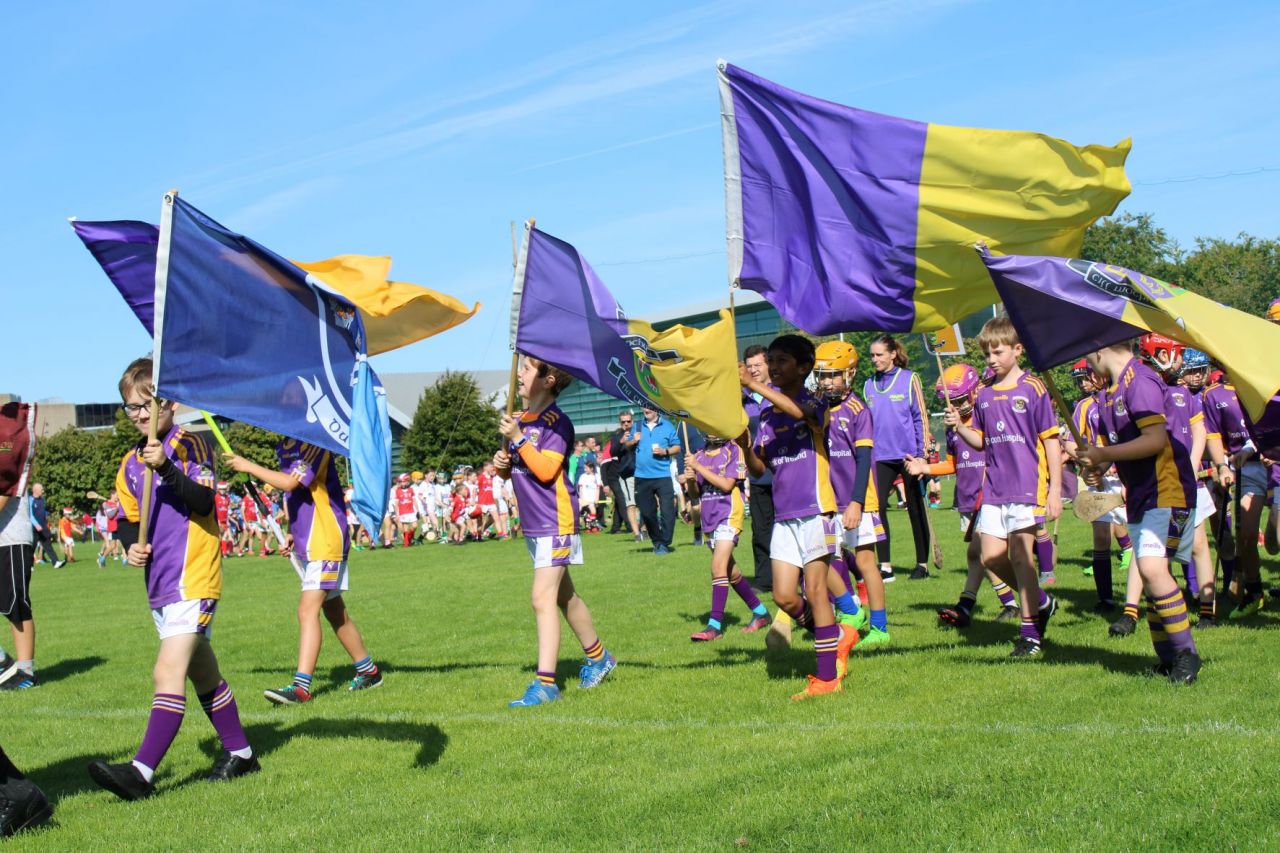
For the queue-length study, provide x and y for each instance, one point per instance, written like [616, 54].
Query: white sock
[247, 752]
[27, 666]
[146, 771]
[885, 567]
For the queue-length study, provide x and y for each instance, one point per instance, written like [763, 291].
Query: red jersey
[222, 503]
[459, 507]
[250, 507]
[486, 489]
[405, 504]
[111, 511]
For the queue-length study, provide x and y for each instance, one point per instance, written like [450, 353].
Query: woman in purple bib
[901, 424]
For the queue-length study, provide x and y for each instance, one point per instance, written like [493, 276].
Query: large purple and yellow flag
[563, 314]
[1064, 308]
[849, 220]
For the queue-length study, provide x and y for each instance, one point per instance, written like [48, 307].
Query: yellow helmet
[417, 475]
[835, 355]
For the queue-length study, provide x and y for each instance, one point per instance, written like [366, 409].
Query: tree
[452, 425]
[1133, 241]
[1244, 274]
[253, 443]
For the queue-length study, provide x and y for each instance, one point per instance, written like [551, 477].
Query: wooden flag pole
[144, 519]
[515, 356]
[1062, 407]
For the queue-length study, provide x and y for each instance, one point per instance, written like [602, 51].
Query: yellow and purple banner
[1064, 308]
[849, 220]
[563, 314]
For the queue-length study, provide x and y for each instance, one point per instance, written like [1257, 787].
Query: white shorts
[329, 575]
[408, 518]
[1204, 506]
[1000, 521]
[723, 533]
[799, 541]
[967, 520]
[870, 531]
[1165, 533]
[185, 617]
[1254, 479]
[552, 551]
[352, 521]
[485, 509]
[502, 506]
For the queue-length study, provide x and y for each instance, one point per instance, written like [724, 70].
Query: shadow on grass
[69, 667]
[700, 619]
[70, 776]
[342, 673]
[1130, 662]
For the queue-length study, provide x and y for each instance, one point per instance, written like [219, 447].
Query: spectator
[760, 489]
[901, 422]
[655, 492]
[589, 495]
[622, 447]
[40, 524]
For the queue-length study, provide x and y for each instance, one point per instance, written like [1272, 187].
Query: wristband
[524, 439]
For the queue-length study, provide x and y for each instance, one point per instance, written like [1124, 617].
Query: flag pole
[162, 278]
[1062, 407]
[517, 290]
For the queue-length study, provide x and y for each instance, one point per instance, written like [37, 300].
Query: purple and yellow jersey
[796, 454]
[1013, 422]
[546, 509]
[721, 507]
[1223, 417]
[1265, 432]
[1087, 416]
[1181, 410]
[971, 468]
[849, 427]
[1164, 480]
[186, 557]
[317, 515]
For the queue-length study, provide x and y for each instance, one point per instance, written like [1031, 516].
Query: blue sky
[420, 131]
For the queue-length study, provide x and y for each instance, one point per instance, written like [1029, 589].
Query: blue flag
[243, 332]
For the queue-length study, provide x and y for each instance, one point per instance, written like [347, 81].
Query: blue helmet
[1194, 359]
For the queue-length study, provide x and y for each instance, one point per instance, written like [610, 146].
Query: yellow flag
[395, 313]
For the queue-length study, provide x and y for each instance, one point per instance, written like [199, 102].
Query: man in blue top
[655, 492]
[40, 524]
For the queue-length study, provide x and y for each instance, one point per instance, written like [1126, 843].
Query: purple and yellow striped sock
[748, 595]
[719, 597]
[1124, 541]
[1029, 628]
[840, 564]
[1159, 639]
[1206, 606]
[1131, 610]
[825, 640]
[220, 707]
[167, 710]
[1044, 552]
[595, 651]
[1003, 592]
[1172, 612]
[547, 678]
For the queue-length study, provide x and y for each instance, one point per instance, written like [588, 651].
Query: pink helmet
[958, 380]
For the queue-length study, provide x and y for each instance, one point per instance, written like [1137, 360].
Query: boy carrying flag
[1013, 421]
[308, 477]
[183, 571]
[1160, 496]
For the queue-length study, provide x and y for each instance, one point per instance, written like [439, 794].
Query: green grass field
[937, 742]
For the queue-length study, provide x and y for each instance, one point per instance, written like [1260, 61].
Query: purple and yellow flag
[849, 220]
[563, 314]
[1064, 308]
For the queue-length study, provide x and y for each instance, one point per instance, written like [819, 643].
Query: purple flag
[849, 220]
[563, 314]
[126, 250]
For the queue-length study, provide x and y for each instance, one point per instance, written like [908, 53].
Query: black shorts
[15, 582]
